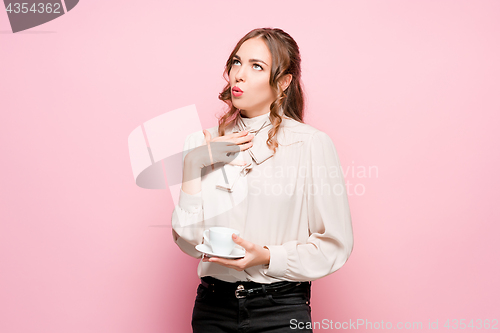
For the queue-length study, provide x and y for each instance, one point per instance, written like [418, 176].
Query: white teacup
[220, 239]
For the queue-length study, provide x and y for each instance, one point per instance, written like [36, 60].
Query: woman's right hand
[224, 149]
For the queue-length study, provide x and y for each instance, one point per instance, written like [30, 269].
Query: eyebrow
[251, 60]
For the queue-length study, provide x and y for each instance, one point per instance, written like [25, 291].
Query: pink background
[409, 88]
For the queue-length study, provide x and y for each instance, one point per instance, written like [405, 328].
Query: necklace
[264, 125]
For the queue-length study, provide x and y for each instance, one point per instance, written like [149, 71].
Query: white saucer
[237, 253]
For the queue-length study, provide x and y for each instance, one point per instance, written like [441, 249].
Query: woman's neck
[252, 115]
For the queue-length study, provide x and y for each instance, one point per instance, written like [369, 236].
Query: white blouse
[294, 203]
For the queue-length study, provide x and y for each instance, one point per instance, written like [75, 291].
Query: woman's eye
[236, 60]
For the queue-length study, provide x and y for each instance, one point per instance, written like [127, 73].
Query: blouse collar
[258, 153]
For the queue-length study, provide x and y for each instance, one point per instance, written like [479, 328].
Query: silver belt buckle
[240, 288]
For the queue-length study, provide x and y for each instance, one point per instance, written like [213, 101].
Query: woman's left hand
[254, 255]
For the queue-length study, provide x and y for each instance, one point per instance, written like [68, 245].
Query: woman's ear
[285, 81]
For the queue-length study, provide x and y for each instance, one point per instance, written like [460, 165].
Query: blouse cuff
[191, 203]
[278, 261]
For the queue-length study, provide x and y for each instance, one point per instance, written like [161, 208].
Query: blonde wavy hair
[285, 60]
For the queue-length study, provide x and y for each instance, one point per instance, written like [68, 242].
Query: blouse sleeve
[330, 241]
[187, 216]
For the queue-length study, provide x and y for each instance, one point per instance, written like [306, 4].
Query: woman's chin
[238, 105]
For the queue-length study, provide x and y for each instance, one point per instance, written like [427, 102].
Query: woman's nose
[240, 74]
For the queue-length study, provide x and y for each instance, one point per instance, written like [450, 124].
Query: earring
[282, 96]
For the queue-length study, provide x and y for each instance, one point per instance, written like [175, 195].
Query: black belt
[245, 289]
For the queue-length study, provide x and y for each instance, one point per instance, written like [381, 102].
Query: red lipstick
[237, 91]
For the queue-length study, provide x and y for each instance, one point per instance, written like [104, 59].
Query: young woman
[284, 193]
